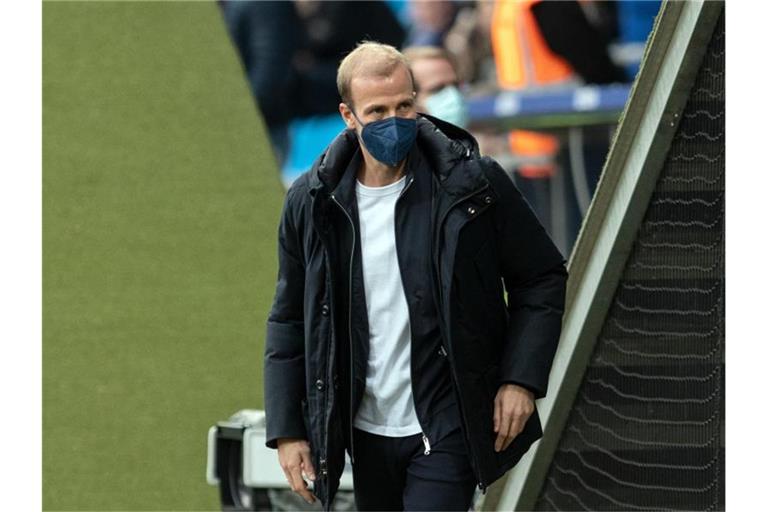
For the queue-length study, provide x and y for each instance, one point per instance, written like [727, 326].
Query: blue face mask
[389, 140]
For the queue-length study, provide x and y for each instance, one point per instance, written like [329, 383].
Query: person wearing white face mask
[437, 84]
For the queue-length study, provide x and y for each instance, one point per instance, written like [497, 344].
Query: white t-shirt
[387, 406]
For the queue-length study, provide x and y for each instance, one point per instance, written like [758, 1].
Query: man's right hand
[295, 458]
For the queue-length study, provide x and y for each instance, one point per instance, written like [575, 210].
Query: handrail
[549, 108]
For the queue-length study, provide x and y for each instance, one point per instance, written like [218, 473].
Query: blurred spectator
[437, 84]
[542, 45]
[524, 60]
[469, 40]
[266, 35]
[291, 49]
[570, 34]
[430, 20]
[331, 29]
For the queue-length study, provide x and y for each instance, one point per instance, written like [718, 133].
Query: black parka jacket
[485, 241]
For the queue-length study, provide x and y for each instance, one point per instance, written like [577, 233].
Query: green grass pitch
[160, 209]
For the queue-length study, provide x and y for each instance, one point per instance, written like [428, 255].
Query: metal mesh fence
[647, 428]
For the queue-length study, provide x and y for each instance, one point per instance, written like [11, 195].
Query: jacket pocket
[491, 297]
[531, 431]
[522, 443]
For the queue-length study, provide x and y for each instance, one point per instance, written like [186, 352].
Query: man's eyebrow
[374, 106]
[371, 108]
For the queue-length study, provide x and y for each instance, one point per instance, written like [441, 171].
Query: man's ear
[346, 115]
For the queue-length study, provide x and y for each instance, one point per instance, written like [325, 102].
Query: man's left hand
[512, 407]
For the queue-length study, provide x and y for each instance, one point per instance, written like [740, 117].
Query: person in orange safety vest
[524, 61]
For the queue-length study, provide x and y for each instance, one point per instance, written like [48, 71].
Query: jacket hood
[442, 144]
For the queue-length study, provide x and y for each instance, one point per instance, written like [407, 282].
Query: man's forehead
[370, 87]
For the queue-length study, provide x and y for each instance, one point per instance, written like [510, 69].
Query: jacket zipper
[481, 484]
[424, 438]
[349, 319]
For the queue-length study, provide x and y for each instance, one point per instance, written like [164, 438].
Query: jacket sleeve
[284, 374]
[534, 275]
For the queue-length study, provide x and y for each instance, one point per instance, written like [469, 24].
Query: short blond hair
[369, 58]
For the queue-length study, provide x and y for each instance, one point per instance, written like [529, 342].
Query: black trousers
[393, 473]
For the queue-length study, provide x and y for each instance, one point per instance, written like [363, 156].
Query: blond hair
[368, 59]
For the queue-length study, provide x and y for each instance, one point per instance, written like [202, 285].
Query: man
[437, 84]
[389, 335]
